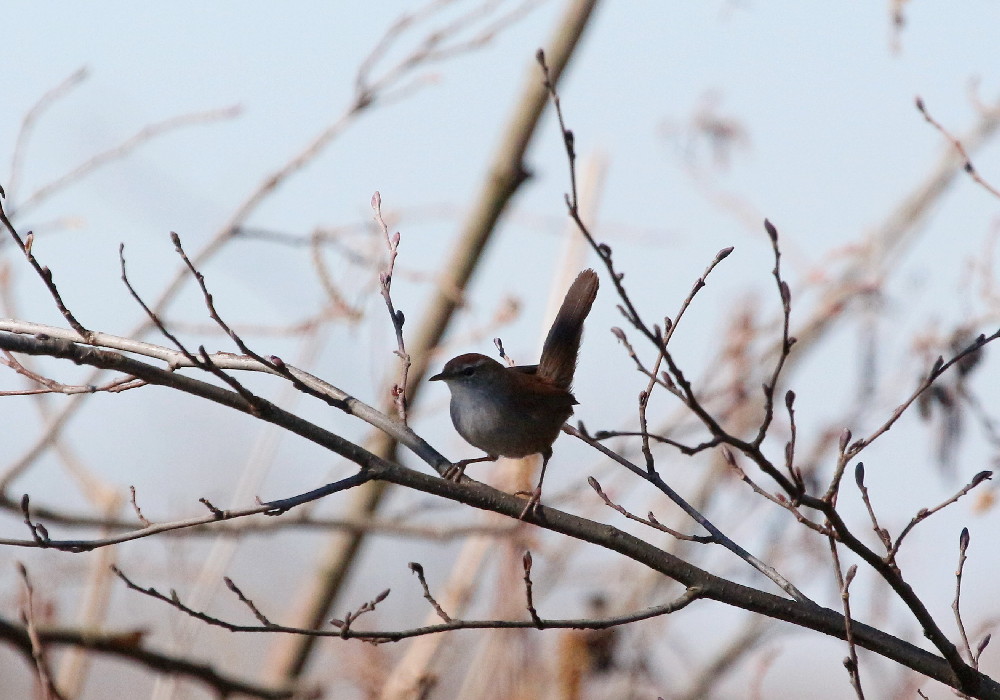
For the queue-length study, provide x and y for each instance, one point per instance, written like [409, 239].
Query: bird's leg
[457, 470]
[534, 496]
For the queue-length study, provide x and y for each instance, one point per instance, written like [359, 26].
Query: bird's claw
[533, 502]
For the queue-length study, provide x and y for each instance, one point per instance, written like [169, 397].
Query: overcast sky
[820, 94]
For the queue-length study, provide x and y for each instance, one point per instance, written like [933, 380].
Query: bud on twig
[845, 438]
[771, 231]
[937, 366]
[786, 293]
[980, 478]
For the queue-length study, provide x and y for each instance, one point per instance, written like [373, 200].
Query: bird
[518, 411]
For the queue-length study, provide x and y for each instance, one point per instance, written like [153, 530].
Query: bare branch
[883, 534]
[529, 600]
[419, 571]
[851, 662]
[44, 273]
[128, 646]
[717, 535]
[963, 546]
[925, 513]
[939, 368]
[957, 144]
[345, 631]
[247, 602]
[136, 509]
[396, 316]
[651, 521]
[48, 688]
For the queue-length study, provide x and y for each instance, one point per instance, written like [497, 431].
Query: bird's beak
[437, 378]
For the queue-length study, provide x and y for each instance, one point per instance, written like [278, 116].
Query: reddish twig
[963, 546]
[47, 686]
[44, 273]
[351, 616]
[851, 662]
[397, 317]
[925, 513]
[247, 602]
[136, 508]
[967, 165]
[381, 636]
[419, 571]
[651, 521]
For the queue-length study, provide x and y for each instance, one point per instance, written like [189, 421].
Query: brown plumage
[518, 411]
[562, 344]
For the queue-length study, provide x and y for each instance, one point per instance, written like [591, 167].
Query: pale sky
[831, 141]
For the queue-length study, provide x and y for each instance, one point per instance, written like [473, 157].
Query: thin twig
[44, 273]
[136, 508]
[786, 340]
[778, 500]
[247, 602]
[851, 662]
[925, 513]
[381, 636]
[203, 360]
[793, 472]
[397, 317]
[529, 601]
[419, 571]
[967, 166]
[963, 547]
[48, 688]
[41, 539]
[351, 616]
[128, 646]
[883, 534]
[51, 386]
[233, 528]
[651, 521]
[692, 512]
[939, 367]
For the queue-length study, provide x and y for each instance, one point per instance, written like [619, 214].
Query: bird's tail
[562, 344]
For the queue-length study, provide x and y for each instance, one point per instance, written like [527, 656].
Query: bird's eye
[468, 371]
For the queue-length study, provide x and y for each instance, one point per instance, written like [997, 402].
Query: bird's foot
[456, 471]
[533, 501]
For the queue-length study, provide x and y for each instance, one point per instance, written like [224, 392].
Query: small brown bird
[518, 411]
